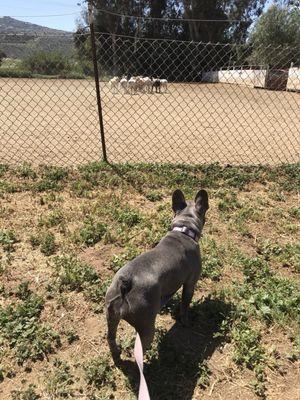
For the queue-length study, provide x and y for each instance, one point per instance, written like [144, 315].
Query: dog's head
[190, 213]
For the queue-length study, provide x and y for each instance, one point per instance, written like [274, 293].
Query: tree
[236, 16]
[276, 37]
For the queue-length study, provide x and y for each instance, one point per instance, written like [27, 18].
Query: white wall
[293, 82]
[245, 77]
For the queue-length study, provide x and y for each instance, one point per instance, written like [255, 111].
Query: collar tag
[187, 231]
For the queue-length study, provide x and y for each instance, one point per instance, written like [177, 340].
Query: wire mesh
[47, 114]
[162, 100]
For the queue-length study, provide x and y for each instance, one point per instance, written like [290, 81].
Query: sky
[34, 11]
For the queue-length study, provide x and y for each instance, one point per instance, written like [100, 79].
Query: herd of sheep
[138, 84]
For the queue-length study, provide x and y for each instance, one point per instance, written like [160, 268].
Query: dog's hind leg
[113, 320]
[146, 333]
[187, 294]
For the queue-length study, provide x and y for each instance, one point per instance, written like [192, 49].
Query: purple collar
[187, 231]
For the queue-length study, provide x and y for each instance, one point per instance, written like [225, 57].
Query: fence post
[96, 75]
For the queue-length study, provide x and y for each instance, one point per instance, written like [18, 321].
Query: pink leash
[139, 358]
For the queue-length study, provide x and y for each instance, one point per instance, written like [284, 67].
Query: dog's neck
[187, 231]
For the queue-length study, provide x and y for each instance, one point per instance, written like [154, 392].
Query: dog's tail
[117, 298]
[125, 286]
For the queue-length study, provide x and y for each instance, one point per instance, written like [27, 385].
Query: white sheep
[164, 84]
[147, 84]
[124, 85]
[132, 85]
[140, 84]
[113, 84]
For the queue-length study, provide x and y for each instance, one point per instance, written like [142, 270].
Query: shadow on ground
[178, 363]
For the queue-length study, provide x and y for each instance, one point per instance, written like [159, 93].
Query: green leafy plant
[59, 381]
[118, 260]
[72, 274]
[98, 372]
[23, 331]
[47, 242]
[91, 232]
[7, 240]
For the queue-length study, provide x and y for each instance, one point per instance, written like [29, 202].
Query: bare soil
[55, 122]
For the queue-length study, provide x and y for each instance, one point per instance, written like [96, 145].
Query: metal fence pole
[96, 74]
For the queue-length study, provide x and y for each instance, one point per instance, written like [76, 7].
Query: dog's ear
[201, 201]
[178, 201]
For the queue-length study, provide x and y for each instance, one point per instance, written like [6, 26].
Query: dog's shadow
[178, 363]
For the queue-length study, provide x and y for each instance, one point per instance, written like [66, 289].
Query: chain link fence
[162, 101]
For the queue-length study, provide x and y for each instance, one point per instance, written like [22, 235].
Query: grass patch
[59, 381]
[266, 295]
[287, 255]
[98, 372]
[91, 232]
[46, 241]
[128, 217]
[23, 332]
[28, 394]
[211, 261]
[72, 274]
[53, 219]
[119, 260]
[26, 171]
[7, 240]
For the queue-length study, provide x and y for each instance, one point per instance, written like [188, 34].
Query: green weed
[23, 332]
[81, 188]
[154, 196]
[288, 255]
[23, 292]
[72, 274]
[27, 394]
[294, 212]
[119, 260]
[53, 219]
[59, 382]
[46, 184]
[98, 372]
[228, 202]
[25, 171]
[91, 232]
[211, 261]
[7, 240]
[96, 294]
[266, 295]
[3, 169]
[128, 217]
[54, 174]
[47, 243]
[248, 350]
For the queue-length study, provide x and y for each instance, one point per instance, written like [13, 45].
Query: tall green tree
[237, 14]
[276, 37]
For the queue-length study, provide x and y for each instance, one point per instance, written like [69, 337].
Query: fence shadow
[179, 362]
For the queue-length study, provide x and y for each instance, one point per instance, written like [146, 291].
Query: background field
[54, 121]
[63, 235]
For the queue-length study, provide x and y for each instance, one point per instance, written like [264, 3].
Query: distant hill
[18, 38]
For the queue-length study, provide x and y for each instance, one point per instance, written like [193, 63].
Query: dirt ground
[55, 122]
[191, 363]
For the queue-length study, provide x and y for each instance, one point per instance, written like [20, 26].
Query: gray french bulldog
[139, 289]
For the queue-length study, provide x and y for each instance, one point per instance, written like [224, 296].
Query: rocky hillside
[18, 38]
